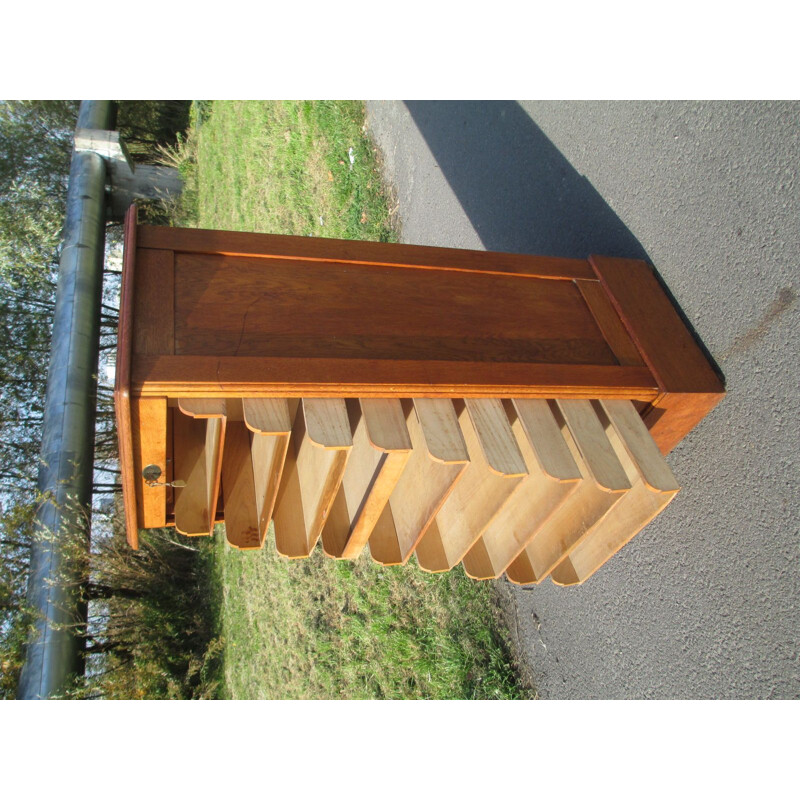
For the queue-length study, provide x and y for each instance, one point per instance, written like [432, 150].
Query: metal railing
[61, 539]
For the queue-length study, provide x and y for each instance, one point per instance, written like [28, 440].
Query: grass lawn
[319, 628]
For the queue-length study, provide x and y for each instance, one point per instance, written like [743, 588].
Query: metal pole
[58, 556]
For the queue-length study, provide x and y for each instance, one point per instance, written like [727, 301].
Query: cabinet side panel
[153, 306]
[233, 306]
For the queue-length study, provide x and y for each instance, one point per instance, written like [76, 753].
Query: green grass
[285, 167]
[319, 628]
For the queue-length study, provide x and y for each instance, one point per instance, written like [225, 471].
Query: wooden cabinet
[410, 399]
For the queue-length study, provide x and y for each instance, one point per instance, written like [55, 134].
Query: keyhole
[151, 473]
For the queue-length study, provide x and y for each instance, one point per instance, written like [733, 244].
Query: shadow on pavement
[520, 193]
[518, 190]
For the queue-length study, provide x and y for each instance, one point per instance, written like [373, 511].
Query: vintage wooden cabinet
[508, 412]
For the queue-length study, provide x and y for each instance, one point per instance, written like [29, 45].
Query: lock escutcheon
[152, 472]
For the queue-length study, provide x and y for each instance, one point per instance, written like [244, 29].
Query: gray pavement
[705, 602]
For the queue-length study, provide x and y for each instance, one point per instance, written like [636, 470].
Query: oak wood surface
[212, 376]
[149, 425]
[385, 424]
[542, 432]
[267, 415]
[585, 507]
[666, 344]
[690, 387]
[384, 543]
[440, 430]
[633, 436]
[291, 539]
[437, 462]
[215, 439]
[122, 380]
[609, 322]
[242, 528]
[203, 407]
[154, 302]
[494, 437]
[588, 435]
[215, 411]
[312, 474]
[203, 489]
[193, 516]
[327, 423]
[270, 421]
[485, 487]
[211, 321]
[268, 453]
[370, 477]
[636, 508]
[246, 307]
[269, 246]
[673, 415]
[536, 499]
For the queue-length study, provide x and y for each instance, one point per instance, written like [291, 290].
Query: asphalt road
[705, 603]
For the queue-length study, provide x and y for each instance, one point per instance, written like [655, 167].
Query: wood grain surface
[370, 477]
[690, 387]
[312, 474]
[584, 508]
[537, 498]
[496, 470]
[653, 487]
[369, 254]
[437, 462]
[313, 381]
[246, 307]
